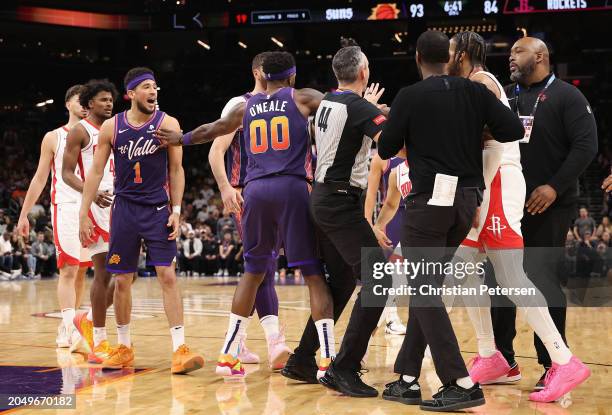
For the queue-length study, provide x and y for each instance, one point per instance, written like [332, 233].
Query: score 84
[490, 7]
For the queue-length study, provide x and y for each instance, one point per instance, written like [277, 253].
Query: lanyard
[535, 106]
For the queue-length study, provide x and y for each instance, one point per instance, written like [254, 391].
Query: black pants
[546, 233]
[433, 233]
[342, 231]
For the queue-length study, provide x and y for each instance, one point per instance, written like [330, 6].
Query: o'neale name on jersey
[267, 107]
[135, 149]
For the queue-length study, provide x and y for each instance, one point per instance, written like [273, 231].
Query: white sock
[99, 335]
[541, 322]
[123, 334]
[465, 382]
[236, 332]
[270, 326]
[558, 351]
[178, 337]
[68, 318]
[409, 379]
[90, 314]
[481, 320]
[325, 328]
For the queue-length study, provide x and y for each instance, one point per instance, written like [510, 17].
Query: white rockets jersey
[87, 156]
[404, 185]
[60, 191]
[512, 151]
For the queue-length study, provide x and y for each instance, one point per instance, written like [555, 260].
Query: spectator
[586, 256]
[602, 260]
[199, 202]
[207, 193]
[584, 224]
[226, 255]
[6, 253]
[192, 251]
[605, 238]
[210, 252]
[213, 218]
[604, 226]
[44, 255]
[238, 257]
[225, 224]
[185, 226]
[571, 252]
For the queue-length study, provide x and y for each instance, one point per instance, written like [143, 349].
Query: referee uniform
[345, 125]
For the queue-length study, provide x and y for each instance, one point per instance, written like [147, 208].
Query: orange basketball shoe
[184, 361]
[85, 328]
[100, 353]
[119, 358]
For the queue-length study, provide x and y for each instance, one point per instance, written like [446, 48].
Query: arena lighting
[49, 101]
[278, 42]
[242, 45]
[398, 38]
[204, 45]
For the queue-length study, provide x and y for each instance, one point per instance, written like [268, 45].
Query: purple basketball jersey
[236, 157]
[276, 137]
[141, 167]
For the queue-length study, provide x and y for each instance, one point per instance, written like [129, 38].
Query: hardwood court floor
[28, 341]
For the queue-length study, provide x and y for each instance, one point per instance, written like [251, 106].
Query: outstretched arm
[308, 100]
[38, 182]
[230, 196]
[206, 132]
[177, 178]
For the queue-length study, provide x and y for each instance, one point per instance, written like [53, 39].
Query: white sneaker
[77, 343]
[395, 327]
[62, 339]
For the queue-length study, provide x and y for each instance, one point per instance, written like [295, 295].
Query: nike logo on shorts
[161, 207]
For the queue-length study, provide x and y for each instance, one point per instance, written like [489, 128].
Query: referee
[345, 125]
[440, 121]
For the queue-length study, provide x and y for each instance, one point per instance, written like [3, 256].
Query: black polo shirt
[563, 140]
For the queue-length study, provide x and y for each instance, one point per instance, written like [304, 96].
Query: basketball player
[98, 97]
[275, 198]
[72, 260]
[232, 148]
[378, 178]
[498, 236]
[145, 174]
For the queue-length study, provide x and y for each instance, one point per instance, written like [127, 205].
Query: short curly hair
[276, 62]
[93, 87]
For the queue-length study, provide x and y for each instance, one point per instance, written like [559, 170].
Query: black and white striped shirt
[345, 124]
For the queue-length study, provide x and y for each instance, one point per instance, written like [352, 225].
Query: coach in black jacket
[562, 143]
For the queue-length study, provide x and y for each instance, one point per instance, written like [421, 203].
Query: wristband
[186, 140]
[176, 209]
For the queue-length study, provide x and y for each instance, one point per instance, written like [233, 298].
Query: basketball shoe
[561, 379]
[246, 356]
[490, 368]
[513, 375]
[323, 366]
[278, 352]
[100, 353]
[120, 357]
[229, 366]
[85, 328]
[184, 361]
[62, 340]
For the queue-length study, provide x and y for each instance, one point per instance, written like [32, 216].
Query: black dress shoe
[452, 397]
[302, 369]
[347, 382]
[400, 391]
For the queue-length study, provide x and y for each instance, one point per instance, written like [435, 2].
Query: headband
[280, 75]
[136, 81]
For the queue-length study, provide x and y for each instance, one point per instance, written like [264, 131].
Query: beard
[521, 74]
[142, 108]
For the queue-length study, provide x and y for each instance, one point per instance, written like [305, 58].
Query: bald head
[529, 61]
